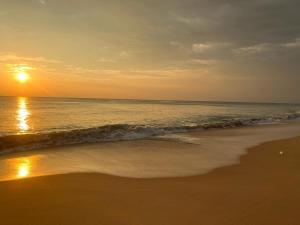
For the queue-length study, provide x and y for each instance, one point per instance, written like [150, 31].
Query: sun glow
[22, 77]
[20, 72]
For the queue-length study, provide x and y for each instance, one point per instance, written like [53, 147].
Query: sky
[234, 50]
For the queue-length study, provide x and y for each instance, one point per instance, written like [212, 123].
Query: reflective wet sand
[167, 156]
[262, 189]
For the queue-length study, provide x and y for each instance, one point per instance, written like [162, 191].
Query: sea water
[133, 138]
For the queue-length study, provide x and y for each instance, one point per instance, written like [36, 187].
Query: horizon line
[173, 100]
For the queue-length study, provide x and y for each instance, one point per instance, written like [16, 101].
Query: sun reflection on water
[23, 168]
[20, 167]
[22, 115]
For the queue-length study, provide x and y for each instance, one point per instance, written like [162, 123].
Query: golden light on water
[22, 115]
[20, 167]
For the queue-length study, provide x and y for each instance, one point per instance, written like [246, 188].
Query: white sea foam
[170, 155]
[118, 132]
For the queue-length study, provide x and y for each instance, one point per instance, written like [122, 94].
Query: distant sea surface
[59, 121]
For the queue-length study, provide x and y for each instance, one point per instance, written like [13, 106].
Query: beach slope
[262, 189]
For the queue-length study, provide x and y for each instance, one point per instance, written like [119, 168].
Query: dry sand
[263, 190]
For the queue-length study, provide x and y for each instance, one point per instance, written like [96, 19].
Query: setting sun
[22, 77]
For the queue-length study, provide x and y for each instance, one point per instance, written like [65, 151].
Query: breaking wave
[118, 132]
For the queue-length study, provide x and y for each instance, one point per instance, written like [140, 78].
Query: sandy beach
[149, 112]
[262, 189]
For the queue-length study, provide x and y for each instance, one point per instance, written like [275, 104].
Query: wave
[118, 132]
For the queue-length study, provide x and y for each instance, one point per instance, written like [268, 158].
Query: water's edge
[119, 132]
[170, 155]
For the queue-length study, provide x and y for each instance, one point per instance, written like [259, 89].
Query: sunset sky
[237, 50]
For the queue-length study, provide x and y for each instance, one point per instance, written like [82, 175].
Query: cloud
[106, 60]
[260, 37]
[175, 43]
[42, 2]
[10, 57]
[293, 44]
[88, 71]
[267, 48]
[203, 62]
[210, 47]
[16, 68]
[254, 49]
[200, 48]
[14, 62]
[124, 54]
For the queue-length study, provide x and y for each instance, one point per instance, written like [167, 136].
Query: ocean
[133, 138]
[42, 122]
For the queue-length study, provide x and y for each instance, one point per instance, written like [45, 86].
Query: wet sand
[263, 189]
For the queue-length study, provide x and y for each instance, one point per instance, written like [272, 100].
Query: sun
[22, 77]
[20, 72]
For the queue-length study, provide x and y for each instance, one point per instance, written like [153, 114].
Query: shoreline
[175, 155]
[14, 143]
[262, 189]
